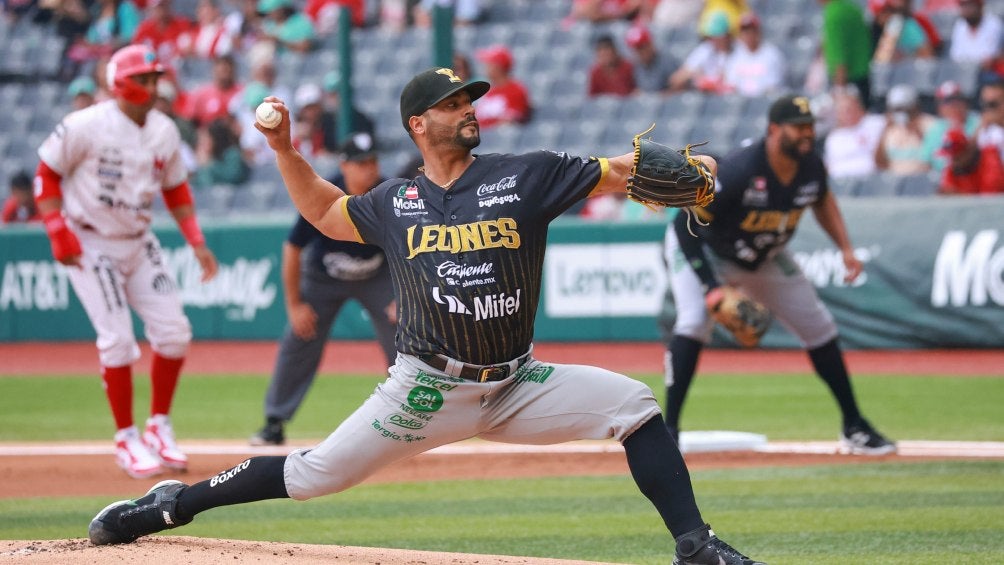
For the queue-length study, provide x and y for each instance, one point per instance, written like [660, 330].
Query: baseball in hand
[267, 116]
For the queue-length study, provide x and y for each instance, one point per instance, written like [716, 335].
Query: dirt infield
[96, 475]
[355, 357]
[167, 550]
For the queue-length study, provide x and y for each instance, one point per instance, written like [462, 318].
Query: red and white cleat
[133, 455]
[159, 438]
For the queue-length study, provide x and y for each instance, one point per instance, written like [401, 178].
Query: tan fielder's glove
[667, 177]
[744, 317]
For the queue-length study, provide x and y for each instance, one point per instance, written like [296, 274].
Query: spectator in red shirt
[20, 205]
[211, 101]
[971, 170]
[611, 73]
[508, 101]
[164, 31]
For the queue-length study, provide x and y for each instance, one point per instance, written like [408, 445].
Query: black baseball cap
[791, 109]
[358, 146]
[432, 86]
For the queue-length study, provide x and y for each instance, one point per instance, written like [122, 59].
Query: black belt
[476, 373]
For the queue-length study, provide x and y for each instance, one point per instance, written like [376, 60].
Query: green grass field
[883, 512]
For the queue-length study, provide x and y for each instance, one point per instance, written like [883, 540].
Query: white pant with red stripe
[121, 273]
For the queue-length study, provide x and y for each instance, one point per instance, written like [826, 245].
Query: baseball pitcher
[465, 244]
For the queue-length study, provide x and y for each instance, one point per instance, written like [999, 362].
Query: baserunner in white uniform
[98, 174]
[465, 244]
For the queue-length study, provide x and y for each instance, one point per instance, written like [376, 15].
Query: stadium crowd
[909, 93]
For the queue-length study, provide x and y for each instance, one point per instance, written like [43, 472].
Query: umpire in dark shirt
[317, 284]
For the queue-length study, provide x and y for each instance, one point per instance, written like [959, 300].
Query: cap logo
[363, 141]
[802, 102]
[449, 74]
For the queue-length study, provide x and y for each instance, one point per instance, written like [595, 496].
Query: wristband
[189, 227]
[64, 243]
[54, 222]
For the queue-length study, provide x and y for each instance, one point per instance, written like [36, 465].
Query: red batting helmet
[128, 62]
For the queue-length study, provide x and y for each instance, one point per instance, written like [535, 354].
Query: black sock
[683, 352]
[829, 364]
[661, 474]
[257, 478]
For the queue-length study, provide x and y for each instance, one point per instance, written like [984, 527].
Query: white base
[705, 441]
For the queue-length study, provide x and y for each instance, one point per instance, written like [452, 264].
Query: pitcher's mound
[168, 550]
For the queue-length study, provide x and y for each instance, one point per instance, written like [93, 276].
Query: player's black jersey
[753, 214]
[466, 262]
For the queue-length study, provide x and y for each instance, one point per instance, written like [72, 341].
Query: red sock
[118, 387]
[164, 374]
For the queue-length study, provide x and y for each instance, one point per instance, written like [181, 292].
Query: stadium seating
[552, 58]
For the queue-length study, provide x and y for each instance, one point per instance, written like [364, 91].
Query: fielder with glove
[732, 265]
[746, 319]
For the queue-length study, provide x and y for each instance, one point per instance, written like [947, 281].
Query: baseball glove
[744, 317]
[665, 177]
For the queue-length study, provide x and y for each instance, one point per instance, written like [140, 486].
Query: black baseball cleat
[126, 520]
[702, 547]
[860, 438]
[271, 434]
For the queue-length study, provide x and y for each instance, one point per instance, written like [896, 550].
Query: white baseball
[267, 116]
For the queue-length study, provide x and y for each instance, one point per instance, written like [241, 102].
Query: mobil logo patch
[407, 202]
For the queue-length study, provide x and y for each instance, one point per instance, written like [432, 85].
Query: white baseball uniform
[111, 171]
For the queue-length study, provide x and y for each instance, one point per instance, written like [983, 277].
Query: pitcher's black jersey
[467, 262]
[753, 214]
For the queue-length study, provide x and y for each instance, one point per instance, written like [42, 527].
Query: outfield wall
[934, 277]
